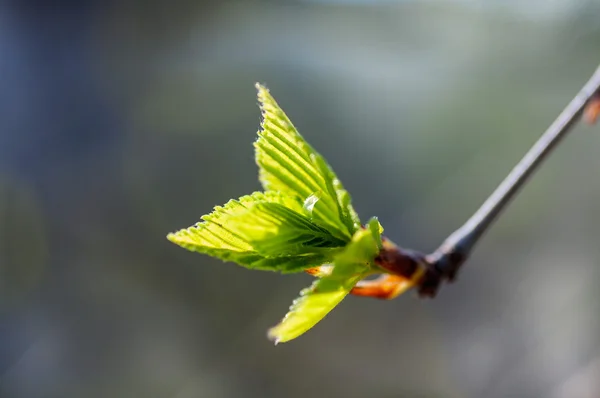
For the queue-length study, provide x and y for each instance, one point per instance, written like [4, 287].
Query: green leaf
[288, 164]
[274, 230]
[376, 230]
[305, 219]
[261, 231]
[315, 302]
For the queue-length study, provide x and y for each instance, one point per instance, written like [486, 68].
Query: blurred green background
[123, 121]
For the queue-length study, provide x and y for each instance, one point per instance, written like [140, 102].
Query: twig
[444, 263]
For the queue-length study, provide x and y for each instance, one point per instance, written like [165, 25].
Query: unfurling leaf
[261, 231]
[315, 302]
[304, 221]
[274, 230]
[288, 164]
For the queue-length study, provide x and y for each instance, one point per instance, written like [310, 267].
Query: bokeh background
[123, 121]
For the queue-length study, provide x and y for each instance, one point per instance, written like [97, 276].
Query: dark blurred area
[123, 121]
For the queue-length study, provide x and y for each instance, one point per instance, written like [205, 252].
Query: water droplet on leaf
[309, 203]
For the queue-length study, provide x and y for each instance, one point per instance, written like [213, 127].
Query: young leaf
[376, 230]
[274, 230]
[288, 164]
[261, 231]
[316, 301]
[304, 221]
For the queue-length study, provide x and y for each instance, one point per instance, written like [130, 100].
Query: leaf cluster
[303, 219]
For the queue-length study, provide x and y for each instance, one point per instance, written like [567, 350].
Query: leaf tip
[273, 335]
[180, 239]
[171, 236]
[261, 88]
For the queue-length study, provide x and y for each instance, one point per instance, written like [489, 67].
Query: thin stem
[458, 245]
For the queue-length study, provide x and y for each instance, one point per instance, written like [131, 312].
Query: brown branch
[444, 263]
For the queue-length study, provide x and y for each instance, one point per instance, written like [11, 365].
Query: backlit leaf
[316, 301]
[288, 164]
[261, 231]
